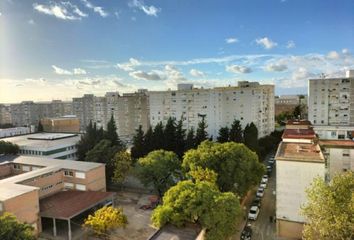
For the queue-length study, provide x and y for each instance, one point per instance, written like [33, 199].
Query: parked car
[265, 178]
[271, 161]
[263, 185]
[246, 233]
[260, 192]
[257, 202]
[253, 213]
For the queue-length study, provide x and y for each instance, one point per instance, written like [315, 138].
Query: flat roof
[67, 204]
[9, 191]
[305, 152]
[44, 141]
[307, 133]
[171, 232]
[337, 143]
[298, 122]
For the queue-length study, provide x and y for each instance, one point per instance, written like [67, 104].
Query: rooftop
[298, 122]
[44, 141]
[67, 204]
[304, 152]
[337, 143]
[307, 133]
[170, 232]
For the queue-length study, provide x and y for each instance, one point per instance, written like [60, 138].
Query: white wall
[337, 160]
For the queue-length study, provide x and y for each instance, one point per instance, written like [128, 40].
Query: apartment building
[37, 189]
[83, 108]
[335, 132]
[247, 102]
[299, 160]
[5, 114]
[331, 101]
[65, 124]
[10, 132]
[287, 103]
[48, 145]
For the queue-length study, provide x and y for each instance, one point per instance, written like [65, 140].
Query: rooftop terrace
[305, 152]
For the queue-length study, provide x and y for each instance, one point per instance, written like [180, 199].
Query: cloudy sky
[63, 49]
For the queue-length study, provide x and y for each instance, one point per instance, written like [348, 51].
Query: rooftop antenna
[323, 76]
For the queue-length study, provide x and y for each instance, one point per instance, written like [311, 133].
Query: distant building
[299, 160]
[247, 102]
[65, 124]
[288, 103]
[335, 132]
[83, 108]
[5, 114]
[36, 189]
[331, 101]
[10, 132]
[49, 145]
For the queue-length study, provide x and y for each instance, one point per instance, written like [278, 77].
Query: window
[80, 175]
[68, 173]
[80, 187]
[17, 166]
[346, 153]
[26, 168]
[68, 185]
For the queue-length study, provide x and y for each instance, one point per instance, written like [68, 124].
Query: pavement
[262, 228]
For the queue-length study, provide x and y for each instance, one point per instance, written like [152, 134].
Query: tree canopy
[330, 209]
[236, 166]
[8, 148]
[201, 133]
[159, 168]
[200, 203]
[105, 220]
[111, 133]
[236, 132]
[138, 150]
[122, 163]
[250, 135]
[12, 229]
[223, 135]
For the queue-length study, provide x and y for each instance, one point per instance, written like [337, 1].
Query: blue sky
[63, 49]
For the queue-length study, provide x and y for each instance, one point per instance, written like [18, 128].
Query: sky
[63, 49]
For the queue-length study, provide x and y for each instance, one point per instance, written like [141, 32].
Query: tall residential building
[5, 114]
[83, 108]
[331, 100]
[247, 102]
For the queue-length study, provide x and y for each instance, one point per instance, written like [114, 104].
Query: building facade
[5, 114]
[65, 124]
[248, 102]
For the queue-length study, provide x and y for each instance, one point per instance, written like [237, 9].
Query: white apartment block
[331, 101]
[83, 108]
[10, 132]
[335, 132]
[5, 114]
[247, 102]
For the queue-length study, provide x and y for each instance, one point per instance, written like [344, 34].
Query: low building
[335, 132]
[34, 188]
[49, 145]
[65, 124]
[10, 132]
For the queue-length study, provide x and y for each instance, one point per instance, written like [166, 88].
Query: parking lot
[263, 228]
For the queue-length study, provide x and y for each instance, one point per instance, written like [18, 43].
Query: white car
[264, 179]
[271, 160]
[260, 192]
[253, 213]
[263, 185]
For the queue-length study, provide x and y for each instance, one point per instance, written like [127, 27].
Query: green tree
[223, 135]
[298, 111]
[111, 133]
[201, 174]
[236, 166]
[170, 135]
[148, 141]
[138, 149]
[122, 163]
[236, 132]
[201, 134]
[88, 140]
[251, 137]
[12, 229]
[159, 168]
[8, 148]
[200, 203]
[105, 220]
[190, 140]
[330, 209]
[40, 126]
[180, 138]
[158, 137]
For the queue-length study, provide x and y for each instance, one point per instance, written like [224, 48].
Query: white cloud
[0, 14]
[345, 51]
[96, 9]
[266, 43]
[333, 55]
[129, 66]
[148, 10]
[79, 71]
[61, 10]
[152, 76]
[290, 44]
[196, 73]
[61, 71]
[231, 40]
[238, 69]
[275, 67]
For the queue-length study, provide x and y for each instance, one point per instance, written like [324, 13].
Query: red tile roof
[337, 143]
[298, 122]
[308, 133]
[67, 204]
[306, 152]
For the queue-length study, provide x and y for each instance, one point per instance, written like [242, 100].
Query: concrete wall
[5, 170]
[338, 160]
[289, 230]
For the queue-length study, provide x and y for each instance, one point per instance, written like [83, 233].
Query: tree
[329, 209]
[236, 166]
[298, 111]
[190, 139]
[201, 174]
[88, 140]
[180, 138]
[104, 220]
[148, 141]
[137, 149]
[170, 135]
[223, 135]
[159, 168]
[201, 134]
[236, 132]
[40, 126]
[122, 163]
[111, 133]
[251, 137]
[12, 229]
[200, 203]
[158, 137]
[8, 148]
